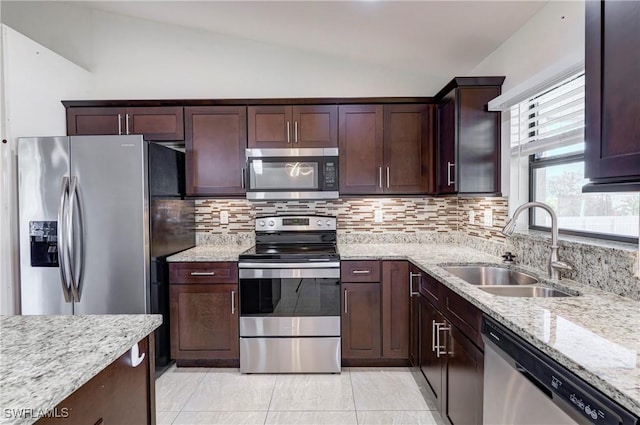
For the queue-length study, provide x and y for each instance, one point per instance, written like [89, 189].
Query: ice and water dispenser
[44, 243]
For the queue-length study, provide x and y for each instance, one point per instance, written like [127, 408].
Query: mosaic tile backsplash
[415, 220]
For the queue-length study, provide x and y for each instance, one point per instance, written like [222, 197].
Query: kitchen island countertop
[43, 359]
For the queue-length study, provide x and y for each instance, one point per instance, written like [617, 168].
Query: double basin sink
[504, 282]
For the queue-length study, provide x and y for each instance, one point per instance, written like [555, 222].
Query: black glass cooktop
[291, 252]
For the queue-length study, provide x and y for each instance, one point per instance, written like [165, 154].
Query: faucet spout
[554, 266]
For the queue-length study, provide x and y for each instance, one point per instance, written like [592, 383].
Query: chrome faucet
[554, 266]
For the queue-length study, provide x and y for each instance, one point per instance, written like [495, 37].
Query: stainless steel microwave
[304, 173]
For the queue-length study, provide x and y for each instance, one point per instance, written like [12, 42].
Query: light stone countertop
[207, 253]
[595, 335]
[43, 359]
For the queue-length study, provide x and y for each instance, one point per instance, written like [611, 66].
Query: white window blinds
[549, 120]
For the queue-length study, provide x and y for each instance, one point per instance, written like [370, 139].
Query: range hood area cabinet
[286, 126]
[155, 123]
[612, 93]
[386, 149]
[215, 143]
[468, 137]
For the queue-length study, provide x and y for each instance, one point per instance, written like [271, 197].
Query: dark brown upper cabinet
[215, 144]
[386, 149]
[303, 126]
[468, 137]
[612, 90]
[161, 123]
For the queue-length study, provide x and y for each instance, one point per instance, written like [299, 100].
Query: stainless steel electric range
[290, 297]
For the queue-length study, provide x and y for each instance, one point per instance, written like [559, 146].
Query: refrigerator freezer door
[43, 163]
[113, 204]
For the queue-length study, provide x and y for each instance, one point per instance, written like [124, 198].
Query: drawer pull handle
[203, 273]
[360, 271]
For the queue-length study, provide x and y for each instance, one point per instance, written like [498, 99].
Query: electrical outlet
[488, 217]
[472, 217]
[224, 217]
[377, 216]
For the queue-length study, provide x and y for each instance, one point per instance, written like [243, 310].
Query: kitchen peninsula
[75, 369]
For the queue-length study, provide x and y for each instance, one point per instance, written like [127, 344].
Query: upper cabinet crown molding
[612, 90]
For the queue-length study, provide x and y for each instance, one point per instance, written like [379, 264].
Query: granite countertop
[43, 359]
[205, 253]
[595, 335]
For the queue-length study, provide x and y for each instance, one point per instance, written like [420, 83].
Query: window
[549, 130]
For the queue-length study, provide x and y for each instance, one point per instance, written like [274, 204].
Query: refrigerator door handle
[77, 256]
[62, 259]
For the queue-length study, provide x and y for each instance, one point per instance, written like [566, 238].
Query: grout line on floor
[275, 384]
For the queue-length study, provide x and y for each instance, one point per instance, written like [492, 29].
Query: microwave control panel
[331, 175]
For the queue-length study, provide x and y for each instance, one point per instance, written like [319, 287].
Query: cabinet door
[270, 127]
[446, 145]
[431, 364]
[395, 309]
[464, 380]
[361, 333]
[361, 150]
[95, 121]
[215, 142]
[478, 144]
[408, 149]
[612, 90]
[155, 123]
[204, 321]
[315, 126]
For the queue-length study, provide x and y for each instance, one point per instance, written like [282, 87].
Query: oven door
[289, 301]
[281, 174]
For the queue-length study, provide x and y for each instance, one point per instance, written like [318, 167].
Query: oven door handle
[299, 273]
[312, 264]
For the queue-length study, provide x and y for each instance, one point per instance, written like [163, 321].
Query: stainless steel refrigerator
[98, 217]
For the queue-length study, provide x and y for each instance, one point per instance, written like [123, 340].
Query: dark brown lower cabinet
[204, 323]
[395, 309]
[203, 301]
[449, 357]
[463, 381]
[120, 394]
[361, 325]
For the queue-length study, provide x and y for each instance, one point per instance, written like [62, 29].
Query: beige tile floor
[371, 396]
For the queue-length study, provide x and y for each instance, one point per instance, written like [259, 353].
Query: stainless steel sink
[524, 291]
[490, 276]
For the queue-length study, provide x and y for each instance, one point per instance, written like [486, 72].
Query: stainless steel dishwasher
[524, 386]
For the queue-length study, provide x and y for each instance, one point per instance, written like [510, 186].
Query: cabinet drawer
[463, 314]
[360, 271]
[222, 272]
[431, 289]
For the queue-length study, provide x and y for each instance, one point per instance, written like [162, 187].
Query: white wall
[34, 79]
[140, 59]
[555, 35]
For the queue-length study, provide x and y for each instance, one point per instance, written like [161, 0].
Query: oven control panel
[296, 223]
